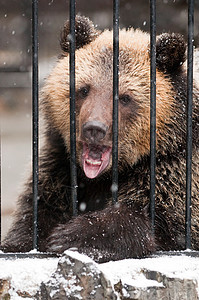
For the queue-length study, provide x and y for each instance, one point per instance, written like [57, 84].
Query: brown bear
[102, 230]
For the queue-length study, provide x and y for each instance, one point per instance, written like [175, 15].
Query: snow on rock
[22, 277]
[129, 270]
[164, 277]
[76, 276]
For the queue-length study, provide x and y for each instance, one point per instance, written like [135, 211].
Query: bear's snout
[94, 131]
[95, 152]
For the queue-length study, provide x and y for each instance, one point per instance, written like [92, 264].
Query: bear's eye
[125, 99]
[83, 92]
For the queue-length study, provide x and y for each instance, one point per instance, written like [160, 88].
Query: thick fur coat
[102, 230]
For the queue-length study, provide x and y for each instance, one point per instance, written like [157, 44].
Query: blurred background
[15, 68]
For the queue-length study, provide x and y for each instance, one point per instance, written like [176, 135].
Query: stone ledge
[75, 276]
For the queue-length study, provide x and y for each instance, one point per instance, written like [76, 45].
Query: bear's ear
[85, 33]
[170, 52]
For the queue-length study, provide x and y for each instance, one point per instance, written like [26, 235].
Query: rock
[172, 288]
[4, 289]
[77, 277]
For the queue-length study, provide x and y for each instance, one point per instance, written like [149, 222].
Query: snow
[26, 274]
[130, 271]
[76, 255]
[70, 285]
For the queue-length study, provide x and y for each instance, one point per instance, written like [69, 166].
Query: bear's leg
[20, 236]
[117, 232]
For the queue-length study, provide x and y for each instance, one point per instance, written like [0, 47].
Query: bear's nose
[94, 131]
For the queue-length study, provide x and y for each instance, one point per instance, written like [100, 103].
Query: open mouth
[95, 158]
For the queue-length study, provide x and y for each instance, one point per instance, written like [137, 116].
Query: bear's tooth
[95, 163]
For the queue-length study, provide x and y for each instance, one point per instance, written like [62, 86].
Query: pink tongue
[93, 167]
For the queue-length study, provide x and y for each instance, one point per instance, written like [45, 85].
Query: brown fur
[134, 80]
[104, 231]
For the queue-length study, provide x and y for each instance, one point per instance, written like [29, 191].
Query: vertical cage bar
[35, 118]
[72, 110]
[152, 110]
[115, 99]
[0, 186]
[189, 122]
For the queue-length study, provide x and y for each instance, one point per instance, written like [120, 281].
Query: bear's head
[94, 90]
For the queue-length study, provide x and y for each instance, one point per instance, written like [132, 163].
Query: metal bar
[72, 110]
[152, 110]
[28, 255]
[35, 118]
[115, 99]
[189, 122]
[0, 185]
[191, 253]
